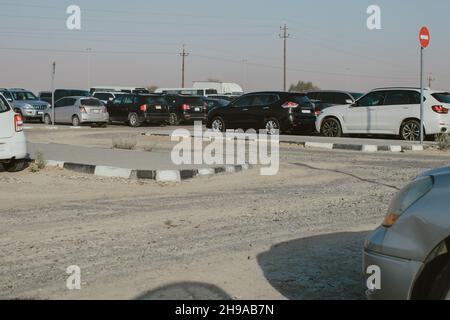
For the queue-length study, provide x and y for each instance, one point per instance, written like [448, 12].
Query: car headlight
[28, 106]
[406, 197]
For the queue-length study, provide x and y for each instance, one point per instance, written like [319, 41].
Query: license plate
[158, 107]
[40, 113]
[306, 111]
[197, 109]
[96, 111]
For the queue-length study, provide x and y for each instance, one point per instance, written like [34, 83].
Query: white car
[388, 111]
[13, 148]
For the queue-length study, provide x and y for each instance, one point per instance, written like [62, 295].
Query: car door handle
[244, 109]
[266, 108]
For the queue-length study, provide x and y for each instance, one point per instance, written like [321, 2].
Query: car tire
[133, 120]
[47, 120]
[410, 130]
[271, 125]
[331, 127]
[75, 121]
[440, 290]
[174, 120]
[218, 125]
[15, 165]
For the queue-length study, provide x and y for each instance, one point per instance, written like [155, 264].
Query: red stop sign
[424, 37]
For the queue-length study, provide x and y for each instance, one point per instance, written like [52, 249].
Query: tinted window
[325, 97]
[3, 105]
[398, 98]
[154, 100]
[7, 95]
[303, 101]
[372, 99]
[118, 100]
[62, 103]
[103, 96]
[443, 97]
[356, 95]
[243, 102]
[312, 95]
[193, 101]
[91, 102]
[264, 99]
[24, 95]
[45, 95]
[210, 91]
[128, 100]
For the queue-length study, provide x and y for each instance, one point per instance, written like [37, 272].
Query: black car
[186, 108]
[283, 111]
[136, 109]
[327, 98]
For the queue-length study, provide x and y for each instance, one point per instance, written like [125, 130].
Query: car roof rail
[17, 89]
[393, 88]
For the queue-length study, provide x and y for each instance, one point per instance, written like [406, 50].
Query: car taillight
[185, 107]
[18, 123]
[290, 105]
[143, 108]
[440, 109]
[82, 109]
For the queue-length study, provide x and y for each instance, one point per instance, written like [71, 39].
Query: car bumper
[94, 118]
[299, 123]
[33, 114]
[195, 117]
[397, 276]
[156, 118]
[13, 148]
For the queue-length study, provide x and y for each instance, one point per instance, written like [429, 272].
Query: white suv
[13, 148]
[388, 111]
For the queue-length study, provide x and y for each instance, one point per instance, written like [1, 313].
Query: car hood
[31, 102]
[336, 109]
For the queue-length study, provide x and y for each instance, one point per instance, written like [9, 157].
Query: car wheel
[75, 121]
[331, 127]
[15, 165]
[174, 120]
[218, 125]
[410, 130]
[133, 120]
[272, 126]
[440, 290]
[47, 119]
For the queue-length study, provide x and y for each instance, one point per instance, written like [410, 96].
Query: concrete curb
[157, 175]
[336, 146]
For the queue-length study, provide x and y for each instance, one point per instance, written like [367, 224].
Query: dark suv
[136, 109]
[186, 108]
[283, 111]
[329, 98]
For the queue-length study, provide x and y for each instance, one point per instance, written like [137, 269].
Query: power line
[284, 36]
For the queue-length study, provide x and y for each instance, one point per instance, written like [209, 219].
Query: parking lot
[295, 235]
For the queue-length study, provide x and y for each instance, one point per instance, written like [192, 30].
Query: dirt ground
[297, 235]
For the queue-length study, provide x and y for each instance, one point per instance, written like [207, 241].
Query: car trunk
[196, 106]
[156, 105]
[93, 106]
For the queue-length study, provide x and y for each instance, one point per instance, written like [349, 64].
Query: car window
[303, 101]
[91, 102]
[312, 95]
[61, 103]
[265, 99]
[128, 100]
[193, 101]
[243, 102]
[3, 105]
[118, 100]
[103, 96]
[443, 97]
[24, 95]
[375, 98]
[397, 98]
[341, 98]
[154, 100]
[7, 95]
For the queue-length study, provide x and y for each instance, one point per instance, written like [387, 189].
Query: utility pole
[89, 50]
[284, 36]
[53, 92]
[430, 79]
[183, 55]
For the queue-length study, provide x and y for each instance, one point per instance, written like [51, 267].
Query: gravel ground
[297, 235]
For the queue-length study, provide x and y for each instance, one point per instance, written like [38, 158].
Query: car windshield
[91, 102]
[443, 97]
[23, 95]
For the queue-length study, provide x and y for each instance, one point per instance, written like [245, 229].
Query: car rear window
[443, 97]
[303, 101]
[154, 100]
[3, 105]
[91, 102]
[193, 101]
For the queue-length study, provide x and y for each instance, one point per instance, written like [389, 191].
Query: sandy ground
[297, 235]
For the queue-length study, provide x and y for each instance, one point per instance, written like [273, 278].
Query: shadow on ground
[326, 267]
[186, 291]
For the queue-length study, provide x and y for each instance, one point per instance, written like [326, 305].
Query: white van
[13, 147]
[187, 91]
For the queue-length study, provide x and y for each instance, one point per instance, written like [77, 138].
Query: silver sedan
[411, 249]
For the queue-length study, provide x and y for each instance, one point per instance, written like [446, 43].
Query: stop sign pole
[424, 39]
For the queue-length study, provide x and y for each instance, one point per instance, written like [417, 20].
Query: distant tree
[303, 86]
[152, 88]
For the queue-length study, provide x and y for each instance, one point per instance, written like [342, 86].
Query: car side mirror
[9, 100]
[349, 101]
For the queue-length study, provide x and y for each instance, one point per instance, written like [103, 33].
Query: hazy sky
[136, 42]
